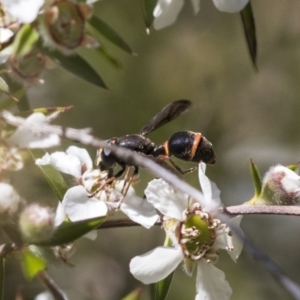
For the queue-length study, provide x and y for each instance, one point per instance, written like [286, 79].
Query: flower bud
[29, 67]
[36, 223]
[63, 24]
[9, 200]
[281, 186]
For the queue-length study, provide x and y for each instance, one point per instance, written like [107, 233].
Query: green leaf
[67, 232]
[50, 110]
[255, 178]
[294, 168]
[101, 27]
[2, 274]
[25, 40]
[31, 264]
[162, 287]
[19, 92]
[109, 57]
[250, 32]
[5, 89]
[10, 101]
[47, 111]
[148, 8]
[4, 86]
[77, 66]
[52, 176]
[134, 295]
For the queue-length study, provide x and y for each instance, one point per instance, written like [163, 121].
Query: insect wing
[167, 114]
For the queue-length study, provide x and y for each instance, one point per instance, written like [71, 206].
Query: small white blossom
[25, 138]
[196, 237]
[25, 11]
[75, 161]
[80, 202]
[166, 11]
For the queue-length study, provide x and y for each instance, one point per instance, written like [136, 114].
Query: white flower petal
[211, 283]
[166, 199]
[196, 5]
[166, 12]
[60, 214]
[5, 34]
[136, 208]
[155, 265]
[230, 6]
[78, 206]
[139, 210]
[91, 178]
[63, 162]
[25, 11]
[24, 138]
[210, 191]
[236, 242]
[82, 154]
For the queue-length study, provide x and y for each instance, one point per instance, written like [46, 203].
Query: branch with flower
[195, 228]
[33, 35]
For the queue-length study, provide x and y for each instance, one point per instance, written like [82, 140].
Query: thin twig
[56, 292]
[262, 210]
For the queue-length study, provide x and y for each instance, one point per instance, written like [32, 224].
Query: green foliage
[31, 264]
[104, 29]
[250, 32]
[76, 65]
[134, 295]
[25, 40]
[67, 232]
[256, 178]
[148, 7]
[52, 176]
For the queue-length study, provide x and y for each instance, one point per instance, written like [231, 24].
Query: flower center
[197, 234]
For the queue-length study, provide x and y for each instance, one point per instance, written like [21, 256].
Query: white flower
[24, 138]
[75, 161]
[25, 11]
[196, 237]
[78, 204]
[166, 11]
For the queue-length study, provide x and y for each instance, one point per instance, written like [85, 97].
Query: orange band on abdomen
[166, 148]
[197, 140]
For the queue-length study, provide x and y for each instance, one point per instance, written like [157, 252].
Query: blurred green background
[247, 115]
